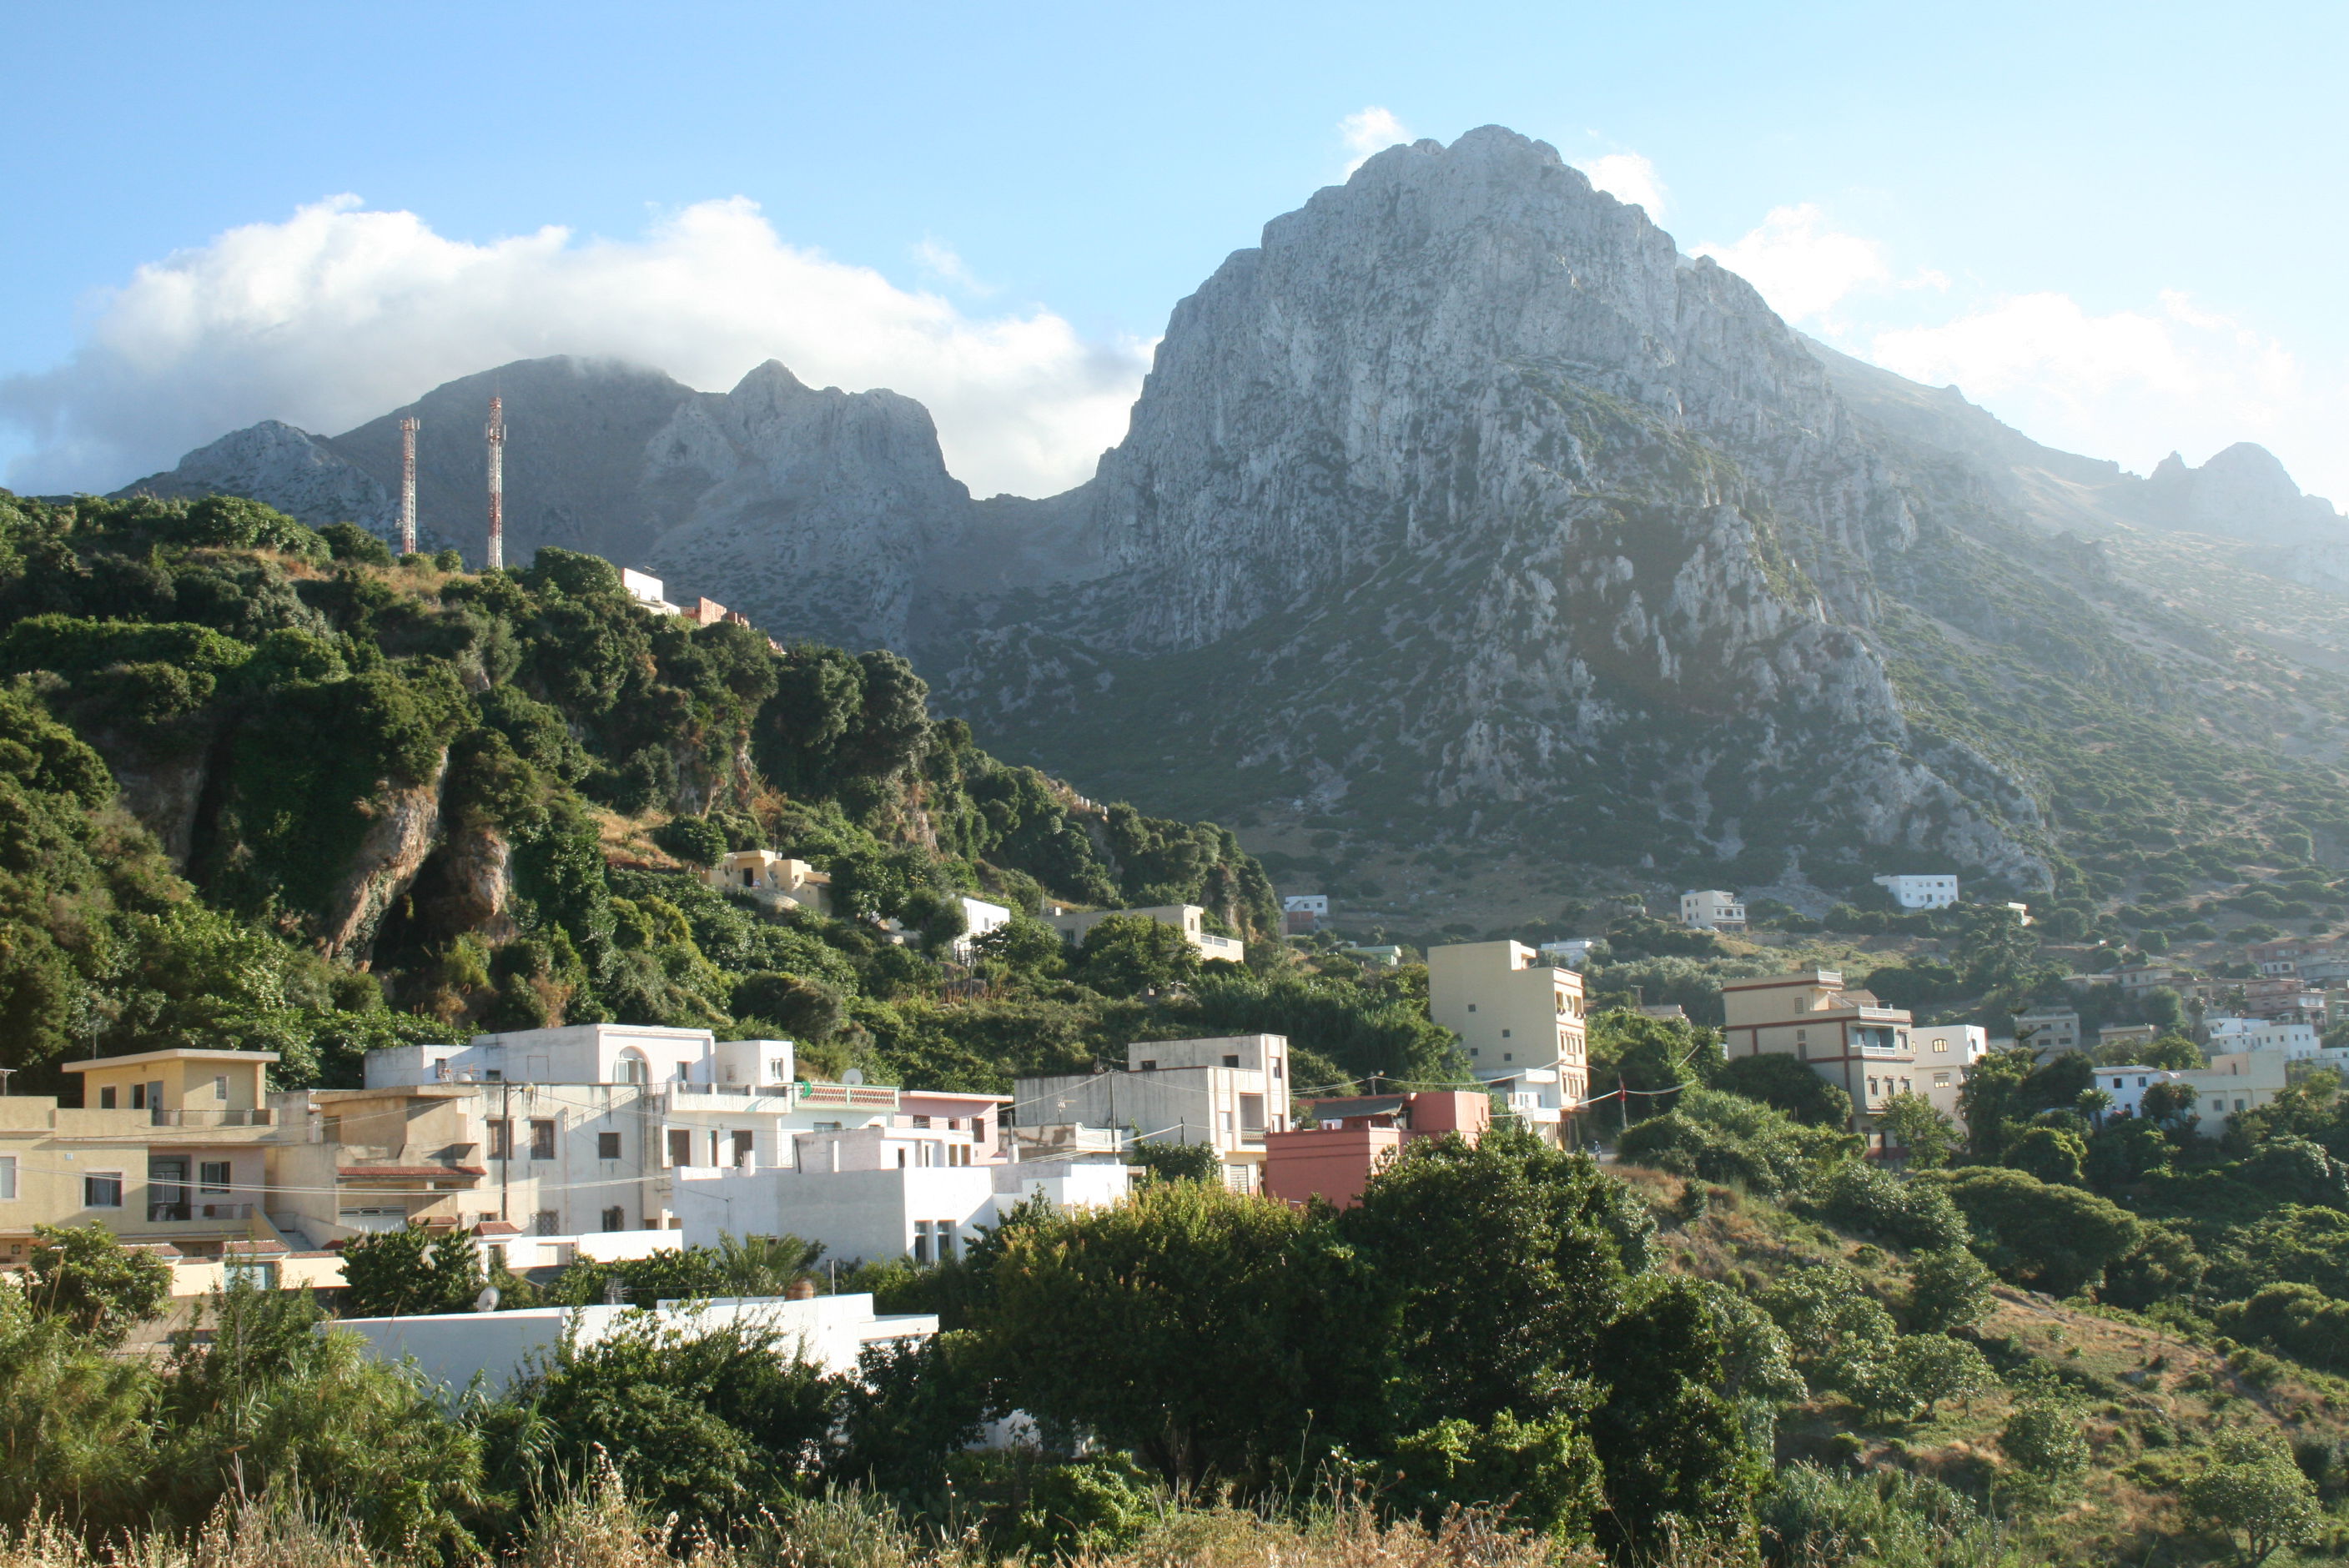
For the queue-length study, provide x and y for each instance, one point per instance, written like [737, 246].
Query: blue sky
[2120, 227]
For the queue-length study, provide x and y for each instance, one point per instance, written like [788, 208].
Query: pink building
[967, 1124]
[1337, 1159]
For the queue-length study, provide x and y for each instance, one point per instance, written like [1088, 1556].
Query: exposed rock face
[1466, 491]
[810, 511]
[406, 830]
[299, 474]
[2241, 493]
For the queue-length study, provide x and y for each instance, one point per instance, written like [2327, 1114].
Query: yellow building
[1845, 1036]
[1522, 1022]
[167, 1147]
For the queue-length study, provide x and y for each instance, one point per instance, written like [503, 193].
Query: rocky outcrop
[405, 831]
[298, 473]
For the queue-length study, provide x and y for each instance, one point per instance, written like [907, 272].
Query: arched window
[633, 1067]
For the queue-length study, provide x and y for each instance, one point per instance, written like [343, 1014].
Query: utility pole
[408, 486]
[496, 432]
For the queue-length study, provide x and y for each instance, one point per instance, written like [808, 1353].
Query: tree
[1552, 1239]
[1859, 1196]
[1948, 1290]
[2170, 1104]
[1141, 1322]
[1178, 1161]
[2250, 1488]
[1544, 1473]
[2044, 1443]
[83, 1274]
[696, 840]
[349, 541]
[1785, 1084]
[2057, 1239]
[2050, 1154]
[1923, 1134]
[1126, 955]
[802, 1009]
[1681, 1461]
[1933, 1367]
[409, 1271]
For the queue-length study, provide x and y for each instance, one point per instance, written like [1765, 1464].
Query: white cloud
[1803, 268]
[1370, 130]
[943, 261]
[2132, 383]
[339, 313]
[1627, 177]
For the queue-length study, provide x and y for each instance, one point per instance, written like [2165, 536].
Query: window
[106, 1098]
[102, 1190]
[1506, 1033]
[615, 1218]
[1871, 1089]
[548, 1223]
[502, 1140]
[1939, 1044]
[1150, 1067]
[743, 1144]
[680, 1146]
[252, 1272]
[921, 1241]
[212, 1175]
[541, 1141]
[1231, 1061]
[1508, 1055]
[632, 1067]
[1940, 1080]
[921, 1121]
[607, 1146]
[494, 1075]
[779, 1070]
[945, 1235]
[1472, 1006]
[138, 1097]
[8, 1177]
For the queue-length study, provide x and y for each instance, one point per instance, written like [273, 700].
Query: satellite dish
[488, 1300]
[853, 1075]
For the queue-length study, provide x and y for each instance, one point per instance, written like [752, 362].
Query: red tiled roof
[497, 1228]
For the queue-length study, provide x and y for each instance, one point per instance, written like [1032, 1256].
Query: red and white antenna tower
[497, 435]
[408, 486]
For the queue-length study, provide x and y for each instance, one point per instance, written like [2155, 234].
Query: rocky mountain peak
[2242, 492]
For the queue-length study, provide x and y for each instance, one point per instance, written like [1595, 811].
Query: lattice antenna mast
[497, 435]
[408, 486]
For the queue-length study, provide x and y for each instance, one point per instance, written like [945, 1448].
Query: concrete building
[1845, 1035]
[1358, 1137]
[773, 880]
[2137, 979]
[2050, 1031]
[1920, 892]
[2234, 1081]
[868, 1196]
[978, 918]
[453, 1348]
[1712, 910]
[1946, 1055]
[1522, 1022]
[1302, 913]
[1571, 954]
[2287, 954]
[169, 1147]
[1189, 919]
[2283, 996]
[2129, 1035]
[2294, 1040]
[970, 1124]
[1226, 1092]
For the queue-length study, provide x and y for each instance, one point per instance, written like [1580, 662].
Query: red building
[1336, 1159]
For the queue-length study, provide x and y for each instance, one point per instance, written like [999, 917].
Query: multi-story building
[1356, 1137]
[2283, 996]
[1571, 954]
[1712, 910]
[966, 1125]
[2130, 1035]
[2294, 1040]
[2287, 954]
[1845, 1036]
[1189, 919]
[978, 918]
[1302, 913]
[1920, 892]
[1521, 1021]
[1946, 1054]
[168, 1147]
[2050, 1031]
[1226, 1092]
[2234, 1081]
[2137, 979]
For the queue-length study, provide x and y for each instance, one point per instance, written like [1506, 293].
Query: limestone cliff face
[298, 473]
[812, 511]
[405, 831]
[1473, 495]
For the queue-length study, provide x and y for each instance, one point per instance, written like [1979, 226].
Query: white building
[2295, 1040]
[1712, 910]
[978, 918]
[1571, 954]
[648, 591]
[1920, 892]
[2234, 1081]
[1522, 1022]
[1225, 1092]
[868, 1196]
[1189, 919]
[453, 1348]
[1315, 904]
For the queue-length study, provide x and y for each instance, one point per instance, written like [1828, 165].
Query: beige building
[1226, 1092]
[1712, 910]
[1845, 1036]
[1187, 918]
[773, 880]
[1521, 1020]
[2050, 1031]
[168, 1147]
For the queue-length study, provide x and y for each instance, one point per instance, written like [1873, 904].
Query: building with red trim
[1844, 1036]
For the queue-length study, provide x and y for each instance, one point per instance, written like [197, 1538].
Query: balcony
[771, 1098]
[187, 1213]
[1223, 947]
[159, 1117]
[846, 1096]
